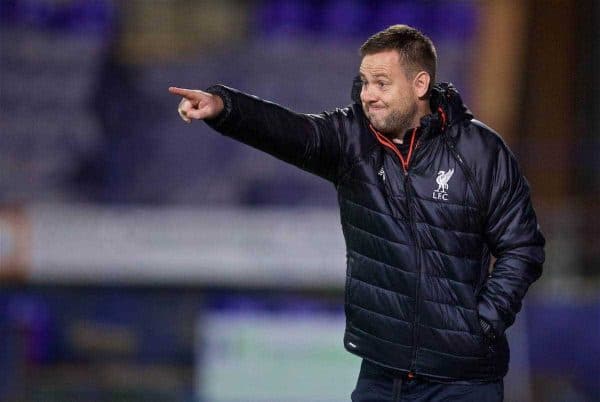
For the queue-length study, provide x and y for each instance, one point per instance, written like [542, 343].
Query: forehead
[386, 62]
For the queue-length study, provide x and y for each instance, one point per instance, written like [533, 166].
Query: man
[426, 195]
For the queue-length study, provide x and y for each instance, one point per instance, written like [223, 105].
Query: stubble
[396, 123]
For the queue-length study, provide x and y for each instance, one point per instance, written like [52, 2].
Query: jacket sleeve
[313, 142]
[514, 238]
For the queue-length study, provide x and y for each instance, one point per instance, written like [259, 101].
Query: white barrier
[153, 245]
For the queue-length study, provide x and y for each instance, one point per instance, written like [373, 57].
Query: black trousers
[377, 384]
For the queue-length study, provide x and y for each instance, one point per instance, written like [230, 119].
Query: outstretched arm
[313, 142]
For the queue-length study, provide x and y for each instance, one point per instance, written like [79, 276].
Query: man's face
[388, 96]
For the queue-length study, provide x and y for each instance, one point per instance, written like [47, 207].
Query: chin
[376, 123]
[378, 126]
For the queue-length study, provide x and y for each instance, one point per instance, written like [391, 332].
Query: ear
[421, 83]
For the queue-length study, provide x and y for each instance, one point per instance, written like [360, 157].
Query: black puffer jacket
[418, 236]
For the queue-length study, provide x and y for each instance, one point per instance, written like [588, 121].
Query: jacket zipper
[469, 176]
[413, 227]
[471, 180]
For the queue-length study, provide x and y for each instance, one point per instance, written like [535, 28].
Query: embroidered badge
[442, 180]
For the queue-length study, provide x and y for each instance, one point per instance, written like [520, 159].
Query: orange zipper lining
[386, 142]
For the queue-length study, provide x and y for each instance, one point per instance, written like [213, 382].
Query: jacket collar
[447, 108]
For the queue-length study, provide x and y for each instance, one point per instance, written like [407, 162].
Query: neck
[423, 109]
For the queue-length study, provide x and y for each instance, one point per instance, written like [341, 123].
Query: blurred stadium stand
[127, 238]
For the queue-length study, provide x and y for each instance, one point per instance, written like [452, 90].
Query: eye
[381, 84]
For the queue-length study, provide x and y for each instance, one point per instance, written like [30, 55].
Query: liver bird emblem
[442, 180]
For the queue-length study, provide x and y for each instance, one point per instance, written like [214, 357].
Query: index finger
[187, 93]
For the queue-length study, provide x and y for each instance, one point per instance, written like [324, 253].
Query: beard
[395, 123]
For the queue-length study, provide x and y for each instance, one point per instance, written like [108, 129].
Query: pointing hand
[197, 105]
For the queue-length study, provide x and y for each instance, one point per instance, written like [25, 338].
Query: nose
[367, 95]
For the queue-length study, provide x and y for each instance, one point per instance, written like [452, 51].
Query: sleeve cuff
[223, 92]
[487, 329]
[493, 324]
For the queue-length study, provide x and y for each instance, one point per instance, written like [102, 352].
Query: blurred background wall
[145, 259]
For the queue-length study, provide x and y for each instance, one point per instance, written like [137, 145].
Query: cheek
[403, 97]
[362, 95]
[396, 101]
